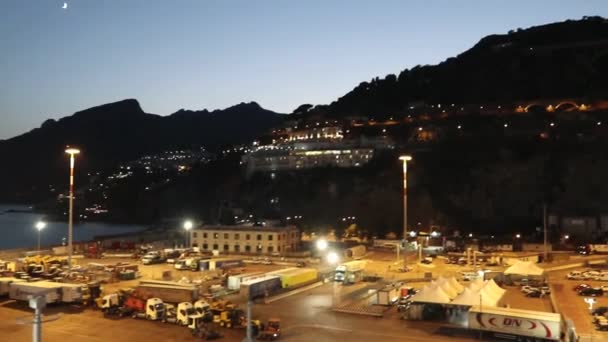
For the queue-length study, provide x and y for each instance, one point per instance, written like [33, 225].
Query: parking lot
[573, 306]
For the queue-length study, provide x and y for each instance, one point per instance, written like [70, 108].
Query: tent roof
[525, 268]
[431, 294]
[469, 298]
[455, 284]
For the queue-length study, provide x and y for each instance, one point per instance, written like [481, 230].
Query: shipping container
[234, 282]
[261, 287]
[170, 293]
[298, 277]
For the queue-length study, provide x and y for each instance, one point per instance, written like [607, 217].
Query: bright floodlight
[413, 233]
[567, 237]
[332, 258]
[406, 158]
[321, 244]
[72, 151]
[518, 235]
[434, 234]
[188, 225]
[40, 225]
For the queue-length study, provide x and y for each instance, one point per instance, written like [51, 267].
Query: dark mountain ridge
[118, 132]
[559, 60]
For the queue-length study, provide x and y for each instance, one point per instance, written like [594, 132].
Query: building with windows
[246, 239]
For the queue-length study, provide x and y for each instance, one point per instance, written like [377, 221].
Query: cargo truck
[187, 264]
[234, 282]
[515, 324]
[53, 292]
[170, 293]
[219, 263]
[151, 309]
[299, 277]
[355, 252]
[592, 249]
[261, 287]
[5, 283]
[388, 295]
[180, 314]
[350, 272]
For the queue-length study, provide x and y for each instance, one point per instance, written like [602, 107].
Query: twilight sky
[197, 54]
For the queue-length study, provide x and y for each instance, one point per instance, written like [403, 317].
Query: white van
[467, 276]
[575, 275]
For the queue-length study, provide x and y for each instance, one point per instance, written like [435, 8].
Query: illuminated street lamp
[332, 258]
[434, 234]
[321, 244]
[187, 226]
[39, 226]
[566, 237]
[72, 152]
[518, 235]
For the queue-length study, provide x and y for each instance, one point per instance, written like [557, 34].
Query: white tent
[455, 284]
[447, 289]
[525, 268]
[476, 284]
[469, 298]
[494, 288]
[431, 294]
[446, 286]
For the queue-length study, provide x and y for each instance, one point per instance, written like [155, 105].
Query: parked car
[580, 287]
[576, 275]
[592, 274]
[600, 310]
[427, 260]
[591, 292]
[527, 289]
[534, 293]
[150, 259]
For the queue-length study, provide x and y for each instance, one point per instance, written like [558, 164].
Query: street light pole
[72, 152]
[545, 231]
[187, 226]
[405, 159]
[39, 226]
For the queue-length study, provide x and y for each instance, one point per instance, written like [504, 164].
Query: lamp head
[405, 158]
[72, 151]
[40, 225]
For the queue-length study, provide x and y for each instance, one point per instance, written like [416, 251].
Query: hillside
[116, 132]
[559, 60]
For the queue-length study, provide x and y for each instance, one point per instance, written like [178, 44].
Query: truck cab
[155, 310]
[184, 310]
[186, 264]
[201, 306]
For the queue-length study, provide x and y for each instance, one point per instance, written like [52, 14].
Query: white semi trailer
[515, 324]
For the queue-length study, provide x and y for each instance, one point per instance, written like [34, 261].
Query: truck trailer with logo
[515, 324]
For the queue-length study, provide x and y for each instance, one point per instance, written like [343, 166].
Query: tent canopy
[431, 294]
[526, 268]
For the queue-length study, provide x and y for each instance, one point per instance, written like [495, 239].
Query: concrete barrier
[291, 293]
